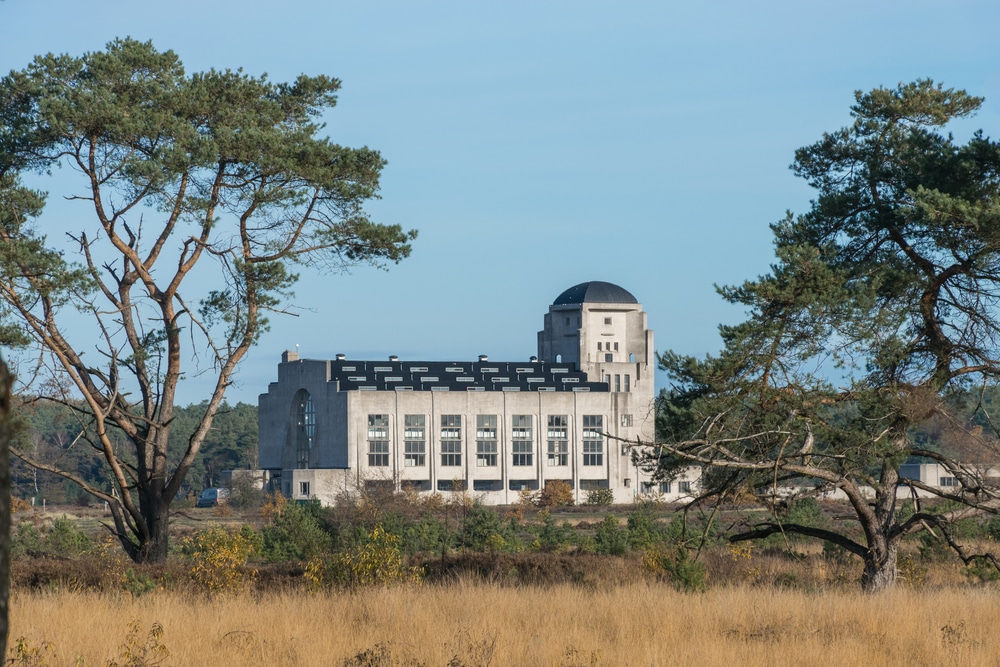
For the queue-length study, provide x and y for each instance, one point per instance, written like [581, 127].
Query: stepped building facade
[492, 428]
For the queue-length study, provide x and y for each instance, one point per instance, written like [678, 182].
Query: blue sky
[537, 145]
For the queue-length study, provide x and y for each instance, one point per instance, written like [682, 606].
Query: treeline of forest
[57, 435]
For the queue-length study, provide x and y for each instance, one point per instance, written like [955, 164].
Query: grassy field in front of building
[475, 623]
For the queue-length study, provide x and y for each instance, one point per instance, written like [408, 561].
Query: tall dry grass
[468, 623]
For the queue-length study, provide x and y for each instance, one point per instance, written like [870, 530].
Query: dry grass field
[471, 624]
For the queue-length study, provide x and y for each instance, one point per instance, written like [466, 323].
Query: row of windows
[664, 487]
[520, 485]
[522, 439]
[607, 346]
[615, 382]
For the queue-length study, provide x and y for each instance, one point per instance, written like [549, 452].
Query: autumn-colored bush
[556, 493]
[220, 556]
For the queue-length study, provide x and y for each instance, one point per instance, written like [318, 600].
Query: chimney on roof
[533, 359]
[289, 355]
[341, 357]
[483, 357]
[393, 358]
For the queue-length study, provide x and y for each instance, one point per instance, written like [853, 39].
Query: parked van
[213, 497]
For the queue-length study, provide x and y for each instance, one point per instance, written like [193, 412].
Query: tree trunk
[6, 434]
[158, 523]
[880, 569]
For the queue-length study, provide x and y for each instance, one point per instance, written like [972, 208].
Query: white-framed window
[558, 441]
[618, 383]
[303, 489]
[414, 441]
[451, 440]
[486, 441]
[593, 440]
[521, 440]
[378, 441]
[627, 419]
[948, 481]
[628, 383]
[683, 487]
[664, 487]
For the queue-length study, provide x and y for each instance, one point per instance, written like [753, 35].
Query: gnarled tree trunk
[6, 433]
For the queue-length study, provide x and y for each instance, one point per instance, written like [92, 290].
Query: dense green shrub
[644, 530]
[25, 540]
[483, 529]
[600, 497]
[428, 534]
[610, 537]
[295, 534]
[551, 536]
[677, 565]
[65, 540]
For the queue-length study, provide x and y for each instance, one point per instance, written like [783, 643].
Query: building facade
[327, 427]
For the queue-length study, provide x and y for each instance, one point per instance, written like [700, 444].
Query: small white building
[492, 428]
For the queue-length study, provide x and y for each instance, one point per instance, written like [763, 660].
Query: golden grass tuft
[473, 623]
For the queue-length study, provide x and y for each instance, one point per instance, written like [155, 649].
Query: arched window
[303, 427]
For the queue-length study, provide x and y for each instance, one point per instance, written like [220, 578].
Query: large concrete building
[493, 428]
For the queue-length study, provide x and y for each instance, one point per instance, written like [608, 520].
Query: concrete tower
[602, 329]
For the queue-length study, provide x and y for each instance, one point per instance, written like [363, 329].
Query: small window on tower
[609, 357]
[607, 320]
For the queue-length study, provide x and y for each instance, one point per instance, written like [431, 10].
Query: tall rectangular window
[378, 440]
[521, 440]
[593, 440]
[558, 441]
[414, 441]
[451, 440]
[618, 382]
[628, 383]
[486, 441]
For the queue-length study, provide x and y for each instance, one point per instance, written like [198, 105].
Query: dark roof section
[459, 376]
[594, 292]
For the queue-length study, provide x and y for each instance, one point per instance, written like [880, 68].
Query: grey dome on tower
[594, 291]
